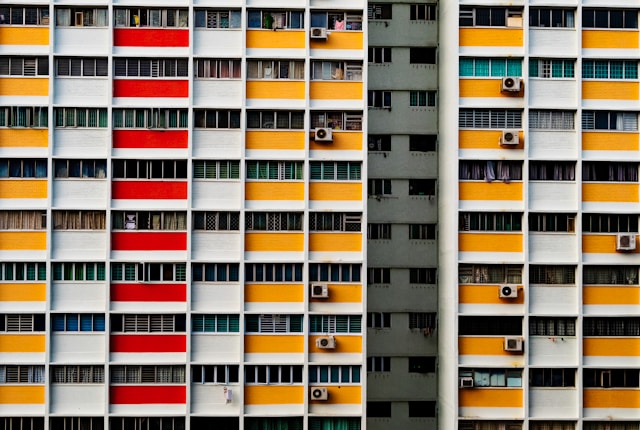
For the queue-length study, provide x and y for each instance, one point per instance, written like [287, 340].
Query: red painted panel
[150, 88]
[155, 190]
[150, 139]
[149, 241]
[139, 292]
[148, 343]
[161, 37]
[149, 394]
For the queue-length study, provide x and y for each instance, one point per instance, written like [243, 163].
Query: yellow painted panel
[274, 140]
[24, 35]
[614, 39]
[485, 139]
[346, 242]
[600, 244]
[609, 141]
[335, 90]
[22, 343]
[22, 394]
[341, 394]
[273, 394]
[491, 37]
[23, 240]
[23, 189]
[276, 39]
[290, 293]
[611, 398]
[613, 347]
[24, 86]
[490, 397]
[613, 192]
[274, 242]
[350, 344]
[273, 343]
[486, 294]
[483, 346]
[611, 295]
[490, 242]
[607, 90]
[485, 88]
[347, 140]
[335, 191]
[340, 40]
[23, 292]
[274, 191]
[278, 89]
[490, 191]
[27, 137]
[342, 293]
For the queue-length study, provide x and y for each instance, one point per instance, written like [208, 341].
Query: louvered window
[269, 323]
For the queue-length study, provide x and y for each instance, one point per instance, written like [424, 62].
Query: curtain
[63, 17]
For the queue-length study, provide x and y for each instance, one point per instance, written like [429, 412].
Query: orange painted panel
[342, 293]
[291, 140]
[23, 189]
[24, 138]
[273, 394]
[22, 395]
[22, 343]
[611, 295]
[486, 294]
[24, 35]
[600, 243]
[485, 139]
[490, 191]
[287, 293]
[335, 191]
[276, 39]
[276, 89]
[274, 191]
[613, 39]
[347, 140]
[340, 40]
[491, 397]
[607, 90]
[348, 344]
[345, 242]
[341, 394]
[491, 37]
[264, 343]
[24, 86]
[335, 90]
[611, 347]
[490, 242]
[612, 192]
[609, 141]
[485, 88]
[483, 346]
[274, 242]
[23, 240]
[611, 398]
[23, 292]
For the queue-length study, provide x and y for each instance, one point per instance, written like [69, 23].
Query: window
[422, 275]
[11, 271]
[332, 221]
[378, 231]
[334, 374]
[22, 375]
[378, 409]
[551, 17]
[423, 142]
[79, 220]
[485, 67]
[25, 323]
[490, 118]
[273, 221]
[340, 21]
[422, 187]
[378, 364]
[422, 409]
[23, 168]
[81, 66]
[204, 68]
[379, 142]
[422, 12]
[379, 99]
[557, 223]
[81, 17]
[490, 17]
[609, 171]
[611, 378]
[490, 326]
[146, 423]
[335, 323]
[550, 326]
[23, 220]
[275, 69]
[24, 66]
[275, 170]
[153, 272]
[551, 120]
[488, 221]
[336, 70]
[422, 231]
[610, 425]
[77, 322]
[422, 55]
[422, 364]
[95, 169]
[493, 377]
[609, 18]
[215, 374]
[143, 220]
[337, 120]
[66, 423]
[288, 423]
[272, 19]
[379, 11]
[607, 120]
[554, 425]
[80, 117]
[609, 223]
[77, 374]
[218, 19]
[24, 116]
[148, 17]
[133, 374]
[489, 274]
[552, 170]
[150, 118]
[144, 323]
[216, 221]
[348, 423]
[422, 98]
[378, 319]
[548, 68]
[216, 118]
[609, 69]
[216, 169]
[273, 374]
[378, 275]
[17, 15]
[69, 271]
[215, 272]
[150, 169]
[605, 326]
[284, 120]
[422, 320]
[490, 425]
[222, 323]
[489, 171]
[273, 272]
[552, 275]
[270, 323]
[610, 275]
[379, 55]
[133, 67]
[334, 272]
[335, 170]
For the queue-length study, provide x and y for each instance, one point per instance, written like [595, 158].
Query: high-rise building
[539, 154]
[182, 213]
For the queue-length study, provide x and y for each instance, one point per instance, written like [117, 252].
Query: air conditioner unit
[319, 393]
[510, 137]
[323, 135]
[465, 382]
[326, 342]
[513, 343]
[511, 84]
[626, 242]
[318, 33]
[508, 292]
[320, 291]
